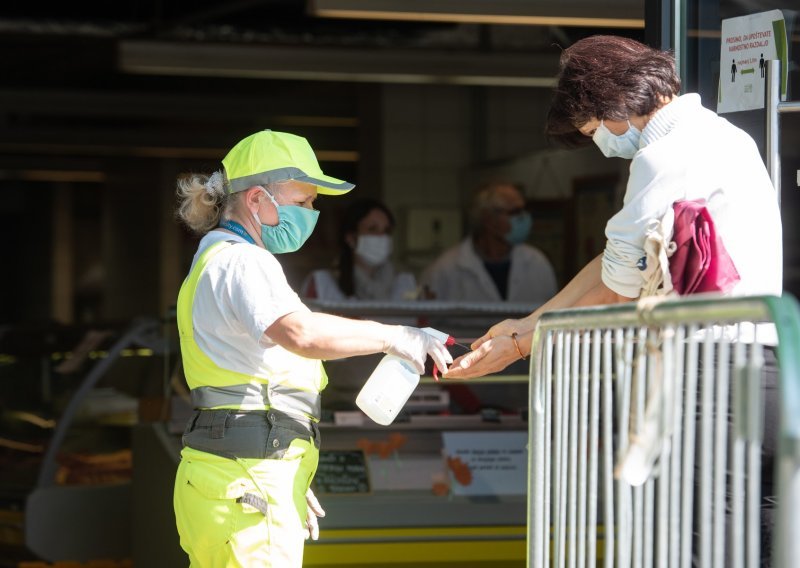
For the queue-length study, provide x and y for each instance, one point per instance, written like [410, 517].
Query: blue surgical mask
[617, 146]
[521, 224]
[295, 225]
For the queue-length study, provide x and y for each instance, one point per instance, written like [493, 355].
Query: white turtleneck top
[689, 152]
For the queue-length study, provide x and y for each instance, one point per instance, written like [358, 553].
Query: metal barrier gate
[632, 461]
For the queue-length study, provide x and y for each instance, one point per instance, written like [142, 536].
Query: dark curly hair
[607, 77]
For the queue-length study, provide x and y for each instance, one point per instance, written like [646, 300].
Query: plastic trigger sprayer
[449, 342]
[391, 383]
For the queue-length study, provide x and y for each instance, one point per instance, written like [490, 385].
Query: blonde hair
[203, 200]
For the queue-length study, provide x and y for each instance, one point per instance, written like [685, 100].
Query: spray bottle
[390, 385]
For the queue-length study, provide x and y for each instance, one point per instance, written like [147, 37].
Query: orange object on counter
[384, 448]
[461, 471]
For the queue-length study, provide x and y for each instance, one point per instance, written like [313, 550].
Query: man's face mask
[374, 249]
[617, 146]
[295, 225]
[521, 224]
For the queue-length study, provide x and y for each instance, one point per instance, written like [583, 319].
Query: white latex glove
[314, 511]
[414, 345]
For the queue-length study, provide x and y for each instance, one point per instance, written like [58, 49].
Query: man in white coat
[494, 263]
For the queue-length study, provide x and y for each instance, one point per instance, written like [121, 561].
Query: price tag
[342, 471]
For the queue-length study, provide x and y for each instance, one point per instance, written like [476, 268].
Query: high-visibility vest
[294, 386]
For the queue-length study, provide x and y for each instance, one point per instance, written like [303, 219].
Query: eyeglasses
[510, 212]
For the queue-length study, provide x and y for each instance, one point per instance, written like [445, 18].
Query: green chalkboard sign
[342, 471]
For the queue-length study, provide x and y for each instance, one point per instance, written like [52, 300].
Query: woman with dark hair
[365, 270]
[624, 96]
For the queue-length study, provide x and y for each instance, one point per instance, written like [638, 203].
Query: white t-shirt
[688, 152]
[241, 293]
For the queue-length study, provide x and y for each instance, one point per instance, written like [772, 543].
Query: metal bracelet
[514, 339]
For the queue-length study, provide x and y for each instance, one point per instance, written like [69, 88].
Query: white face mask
[374, 249]
[617, 146]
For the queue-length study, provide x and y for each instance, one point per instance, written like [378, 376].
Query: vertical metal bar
[786, 549]
[609, 533]
[624, 497]
[690, 406]
[772, 95]
[541, 367]
[648, 527]
[572, 502]
[565, 416]
[754, 420]
[639, 387]
[679, 37]
[738, 467]
[558, 410]
[583, 447]
[548, 437]
[677, 449]
[624, 365]
[720, 453]
[706, 451]
[594, 448]
[667, 379]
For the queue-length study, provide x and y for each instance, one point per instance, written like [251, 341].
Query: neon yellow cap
[269, 156]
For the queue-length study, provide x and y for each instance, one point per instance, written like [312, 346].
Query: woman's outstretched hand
[490, 356]
[505, 327]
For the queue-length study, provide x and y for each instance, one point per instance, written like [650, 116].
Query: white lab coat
[459, 275]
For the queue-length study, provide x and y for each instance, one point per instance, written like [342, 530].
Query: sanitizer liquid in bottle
[390, 385]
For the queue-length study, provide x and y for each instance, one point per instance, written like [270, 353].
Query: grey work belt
[247, 434]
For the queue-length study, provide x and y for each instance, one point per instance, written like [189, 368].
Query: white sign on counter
[487, 463]
[746, 43]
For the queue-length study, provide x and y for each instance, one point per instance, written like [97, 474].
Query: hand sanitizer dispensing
[390, 385]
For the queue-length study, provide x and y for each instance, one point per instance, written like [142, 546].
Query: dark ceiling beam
[140, 151]
[284, 108]
[584, 13]
[140, 124]
[338, 64]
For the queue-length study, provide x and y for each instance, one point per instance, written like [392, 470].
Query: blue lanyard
[238, 229]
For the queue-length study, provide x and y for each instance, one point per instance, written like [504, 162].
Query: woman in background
[365, 270]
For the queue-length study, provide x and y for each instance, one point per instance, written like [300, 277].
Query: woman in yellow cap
[252, 356]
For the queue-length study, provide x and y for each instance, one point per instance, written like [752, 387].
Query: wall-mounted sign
[487, 463]
[747, 42]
